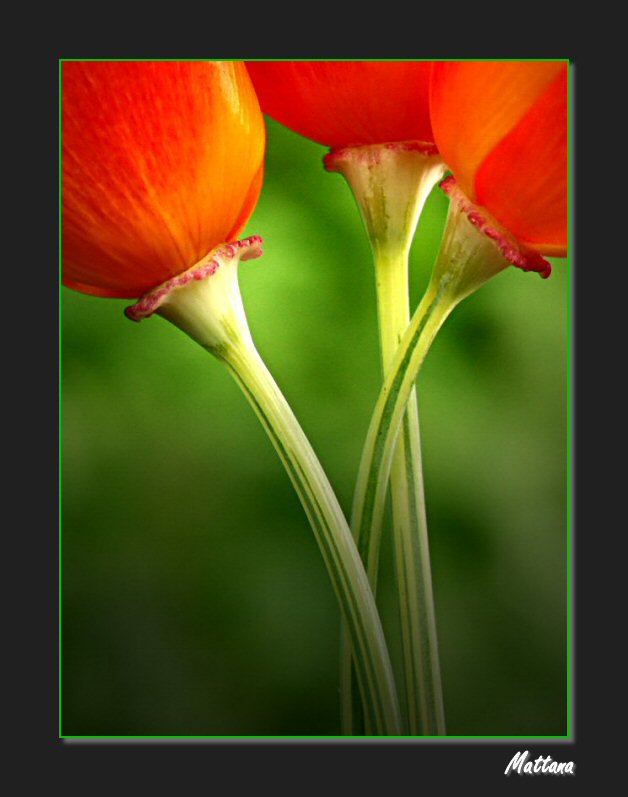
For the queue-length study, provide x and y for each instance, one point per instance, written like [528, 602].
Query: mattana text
[543, 765]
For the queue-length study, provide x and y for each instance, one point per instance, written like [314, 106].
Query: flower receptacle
[205, 301]
[474, 249]
[390, 183]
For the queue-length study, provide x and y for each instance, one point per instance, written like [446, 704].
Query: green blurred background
[194, 598]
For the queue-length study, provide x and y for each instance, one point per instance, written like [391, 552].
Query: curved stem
[205, 303]
[466, 260]
[379, 448]
[391, 438]
[332, 533]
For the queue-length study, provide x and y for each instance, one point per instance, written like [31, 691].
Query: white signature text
[543, 765]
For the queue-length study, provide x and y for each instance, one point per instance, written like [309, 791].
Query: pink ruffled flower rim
[246, 249]
[516, 254]
[370, 151]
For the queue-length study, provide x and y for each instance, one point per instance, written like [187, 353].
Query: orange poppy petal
[345, 103]
[475, 104]
[523, 181]
[248, 206]
[158, 165]
[95, 290]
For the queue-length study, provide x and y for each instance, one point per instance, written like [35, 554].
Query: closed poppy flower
[161, 163]
[502, 129]
[347, 103]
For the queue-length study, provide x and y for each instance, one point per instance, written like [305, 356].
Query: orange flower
[347, 103]
[501, 127]
[161, 162]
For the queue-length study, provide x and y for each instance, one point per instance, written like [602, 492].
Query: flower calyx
[204, 301]
[390, 182]
[515, 253]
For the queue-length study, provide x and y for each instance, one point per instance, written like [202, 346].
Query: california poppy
[161, 162]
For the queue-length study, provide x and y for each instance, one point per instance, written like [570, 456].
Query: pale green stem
[424, 699]
[467, 258]
[206, 304]
[391, 183]
[343, 563]
[386, 422]
[379, 448]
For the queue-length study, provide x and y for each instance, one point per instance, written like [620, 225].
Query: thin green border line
[569, 529]
[315, 60]
[377, 739]
[60, 576]
[569, 416]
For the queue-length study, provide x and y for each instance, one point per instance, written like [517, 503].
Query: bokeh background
[194, 598]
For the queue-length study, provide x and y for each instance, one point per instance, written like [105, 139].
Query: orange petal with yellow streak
[474, 105]
[161, 162]
[524, 180]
